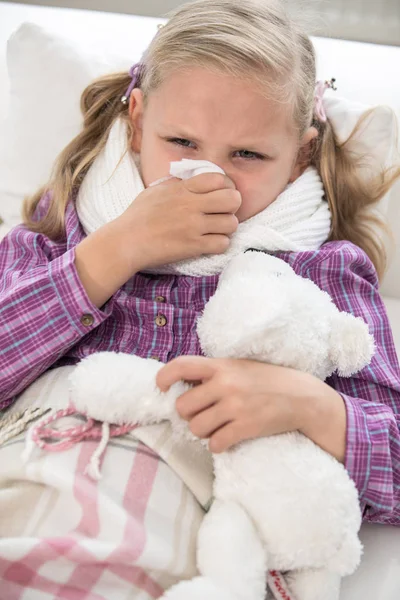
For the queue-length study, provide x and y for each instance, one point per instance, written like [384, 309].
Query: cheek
[155, 160]
[260, 190]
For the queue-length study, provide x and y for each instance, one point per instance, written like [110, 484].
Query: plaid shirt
[47, 320]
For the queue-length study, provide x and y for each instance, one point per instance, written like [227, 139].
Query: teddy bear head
[262, 310]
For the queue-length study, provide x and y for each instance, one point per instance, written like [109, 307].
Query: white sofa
[364, 72]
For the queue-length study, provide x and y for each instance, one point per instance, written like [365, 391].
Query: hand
[236, 400]
[177, 220]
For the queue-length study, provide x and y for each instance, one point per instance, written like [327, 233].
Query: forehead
[216, 104]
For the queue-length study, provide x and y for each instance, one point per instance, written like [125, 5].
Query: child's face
[216, 117]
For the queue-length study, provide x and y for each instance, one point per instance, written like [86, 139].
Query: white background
[366, 20]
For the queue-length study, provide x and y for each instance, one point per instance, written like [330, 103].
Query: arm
[42, 304]
[372, 397]
[45, 301]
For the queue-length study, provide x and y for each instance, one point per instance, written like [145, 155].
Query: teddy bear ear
[352, 346]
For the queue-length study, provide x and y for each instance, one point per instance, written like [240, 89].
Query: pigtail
[100, 105]
[352, 196]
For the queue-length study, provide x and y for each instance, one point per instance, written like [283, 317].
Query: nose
[213, 159]
[222, 164]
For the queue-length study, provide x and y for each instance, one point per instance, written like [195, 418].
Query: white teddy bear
[280, 503]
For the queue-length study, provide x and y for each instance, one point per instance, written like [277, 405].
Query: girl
[231, 82]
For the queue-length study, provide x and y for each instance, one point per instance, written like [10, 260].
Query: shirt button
[87, 320]
[161, 320]
[160, 299]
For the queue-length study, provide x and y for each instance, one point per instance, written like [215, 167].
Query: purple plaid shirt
[47, 320]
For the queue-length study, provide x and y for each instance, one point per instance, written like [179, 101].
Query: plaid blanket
[67, 537]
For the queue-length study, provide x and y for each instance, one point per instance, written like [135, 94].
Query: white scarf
[299, 219]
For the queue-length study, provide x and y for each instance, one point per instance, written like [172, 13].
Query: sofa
[363, 72]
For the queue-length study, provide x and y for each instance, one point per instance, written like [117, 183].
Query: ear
[304, 156]
[351, 345]
[136, 109]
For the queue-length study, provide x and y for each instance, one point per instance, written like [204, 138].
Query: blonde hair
[251, 39]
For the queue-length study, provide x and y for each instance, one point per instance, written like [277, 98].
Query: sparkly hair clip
[320, 89]
[136, 73]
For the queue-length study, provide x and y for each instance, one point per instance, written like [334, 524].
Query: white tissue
[187, 168]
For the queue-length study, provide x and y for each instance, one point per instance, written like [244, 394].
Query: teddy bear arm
[121, 388]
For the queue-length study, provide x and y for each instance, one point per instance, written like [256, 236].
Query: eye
[248, 155]
[180, 142]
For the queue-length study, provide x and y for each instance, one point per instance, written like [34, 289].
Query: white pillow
[376, 139]
[47, 76]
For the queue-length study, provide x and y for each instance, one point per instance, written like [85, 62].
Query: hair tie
[320, 89]
[136, 73]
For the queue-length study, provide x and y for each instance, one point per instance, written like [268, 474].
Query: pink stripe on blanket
[23, 574]
[88, 571]
[86, 493]
[135, 502]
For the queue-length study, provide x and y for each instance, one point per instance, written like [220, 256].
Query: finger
[185, 368]
[223, 224]
[208, 182]
[208, 421]
[227, 436]
[195, 400]
[221, 201]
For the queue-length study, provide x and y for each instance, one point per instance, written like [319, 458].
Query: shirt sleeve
[372, 396]
[44, 309]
